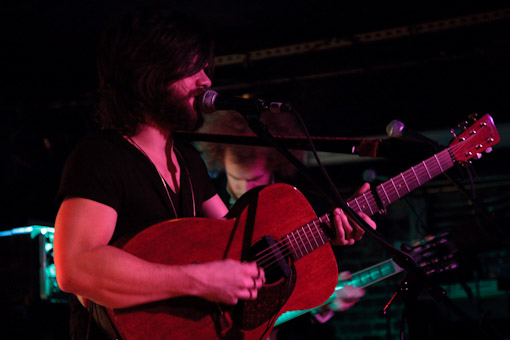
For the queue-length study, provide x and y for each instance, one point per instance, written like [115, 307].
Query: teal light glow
[51, 271]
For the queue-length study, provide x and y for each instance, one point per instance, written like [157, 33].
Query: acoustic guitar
[276, 227]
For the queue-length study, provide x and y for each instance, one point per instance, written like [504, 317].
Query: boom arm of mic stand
[361, 147]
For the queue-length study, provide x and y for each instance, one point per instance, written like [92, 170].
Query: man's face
[180, 112]
[191, 86]
[243, 177]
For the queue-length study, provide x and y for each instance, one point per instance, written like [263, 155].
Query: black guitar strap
[100, 316]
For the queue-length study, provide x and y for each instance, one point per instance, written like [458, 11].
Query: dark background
[428, 65]
[428, 80]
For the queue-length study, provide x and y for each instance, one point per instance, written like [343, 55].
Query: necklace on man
[165, 185]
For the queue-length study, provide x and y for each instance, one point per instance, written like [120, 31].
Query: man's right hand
[227, 281]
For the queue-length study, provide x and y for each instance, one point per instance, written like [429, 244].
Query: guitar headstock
[435, 254]
[480, 136]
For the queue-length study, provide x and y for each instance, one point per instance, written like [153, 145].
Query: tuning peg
[452, 131]
[488, 150]
[476, 156]
[473, 117]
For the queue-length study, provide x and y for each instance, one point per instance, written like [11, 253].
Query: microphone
[396, 128]
[405, 142]
[212, 101]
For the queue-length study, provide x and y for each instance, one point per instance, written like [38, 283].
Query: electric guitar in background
[276, 227]
[433, 255]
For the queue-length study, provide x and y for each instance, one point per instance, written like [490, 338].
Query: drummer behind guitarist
[239, 168]
[131, 174]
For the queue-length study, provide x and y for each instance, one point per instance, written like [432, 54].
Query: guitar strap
[100, 316]
[248, 230]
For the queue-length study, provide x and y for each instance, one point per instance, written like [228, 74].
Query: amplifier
[27, 268]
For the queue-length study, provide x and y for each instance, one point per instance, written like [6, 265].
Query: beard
[177, 114]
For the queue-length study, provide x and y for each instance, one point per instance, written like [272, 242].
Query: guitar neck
[361, 279]
[395, 188]
[306, 239]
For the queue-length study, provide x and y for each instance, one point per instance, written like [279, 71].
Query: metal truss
[368, 37]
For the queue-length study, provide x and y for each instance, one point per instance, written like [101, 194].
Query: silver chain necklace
[165, 185]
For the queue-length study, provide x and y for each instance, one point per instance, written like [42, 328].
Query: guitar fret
[303, 245]
[396, 190]
[327, 222]
[296, 242]
[311, 233]
[368, 203]
[357, 203]
[413, 181]
[437, 160]
[309, 243]
[290, 242]
[387, 197]
[417, 179]
[405, 182]
[428, 173]
[318, 231]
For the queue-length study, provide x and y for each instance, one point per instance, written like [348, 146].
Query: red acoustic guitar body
[276, 210]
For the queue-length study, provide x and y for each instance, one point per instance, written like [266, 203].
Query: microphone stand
[403, 259]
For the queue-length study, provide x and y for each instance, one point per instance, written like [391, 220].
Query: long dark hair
[142, 52]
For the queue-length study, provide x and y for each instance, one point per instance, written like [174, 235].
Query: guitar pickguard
[271, 298]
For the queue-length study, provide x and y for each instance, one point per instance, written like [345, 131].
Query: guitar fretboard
[402, 184]
[311, 236]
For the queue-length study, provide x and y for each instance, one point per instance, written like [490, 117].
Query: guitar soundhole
[271, 256]
[280, 282]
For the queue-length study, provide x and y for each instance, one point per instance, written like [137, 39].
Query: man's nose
[203, 79]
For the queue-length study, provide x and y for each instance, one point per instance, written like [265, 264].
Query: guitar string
[389, 188]
[303, 246]
[283, 244]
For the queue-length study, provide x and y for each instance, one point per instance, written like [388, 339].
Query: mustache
[196, 92]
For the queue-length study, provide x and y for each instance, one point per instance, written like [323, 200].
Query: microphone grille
[395, 128]
[206, 101]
